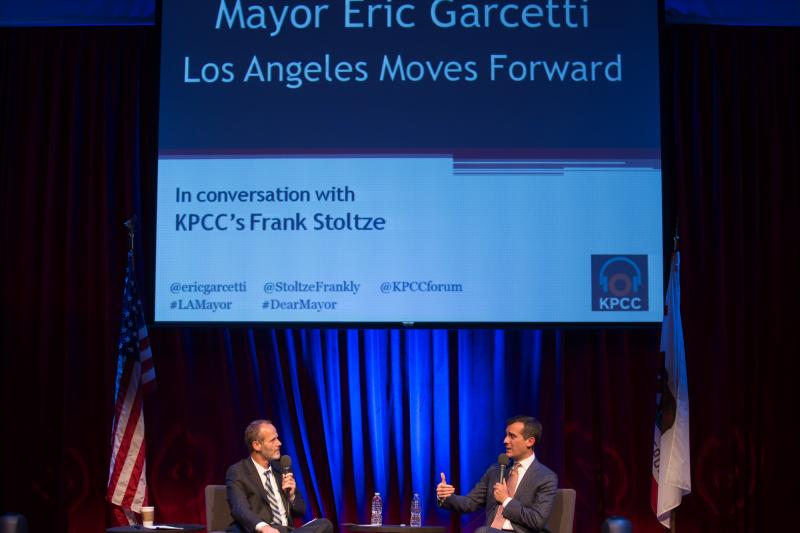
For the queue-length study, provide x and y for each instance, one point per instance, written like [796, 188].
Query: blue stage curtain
[364, 411]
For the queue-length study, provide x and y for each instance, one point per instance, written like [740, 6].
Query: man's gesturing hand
[443, 490]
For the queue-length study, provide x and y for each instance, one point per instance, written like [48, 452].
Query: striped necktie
[272, 498]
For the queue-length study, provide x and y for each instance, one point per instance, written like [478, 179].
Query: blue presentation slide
[396, 162]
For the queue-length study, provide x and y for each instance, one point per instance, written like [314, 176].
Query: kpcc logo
[619, 283]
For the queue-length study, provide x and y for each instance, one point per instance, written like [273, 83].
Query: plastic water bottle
[416, 512]
[377, 510]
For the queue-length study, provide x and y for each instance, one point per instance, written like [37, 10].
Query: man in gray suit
[261, 496]
[523, 500]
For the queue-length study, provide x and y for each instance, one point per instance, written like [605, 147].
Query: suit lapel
[528, 480]
[255, 479]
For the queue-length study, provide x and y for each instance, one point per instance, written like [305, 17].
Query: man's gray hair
[251, 432]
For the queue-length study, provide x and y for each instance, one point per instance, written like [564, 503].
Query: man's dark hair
[533, 428]
[251, 432]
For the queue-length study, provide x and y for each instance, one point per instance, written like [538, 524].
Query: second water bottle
[416, 511]
[377, 510]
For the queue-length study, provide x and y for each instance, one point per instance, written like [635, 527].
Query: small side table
[141, 529]
[389, 528]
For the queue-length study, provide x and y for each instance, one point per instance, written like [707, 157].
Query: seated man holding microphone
[262, 493]
[520, 501]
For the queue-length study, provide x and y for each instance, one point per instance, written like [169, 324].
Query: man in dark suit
[523, 500]
[261, 496]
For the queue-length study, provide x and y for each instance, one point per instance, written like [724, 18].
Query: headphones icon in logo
[620, 283]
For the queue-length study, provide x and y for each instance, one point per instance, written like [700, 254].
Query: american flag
[127, 484]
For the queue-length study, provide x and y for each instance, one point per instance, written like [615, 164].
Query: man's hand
[500, 492]
[266, 528]
[289, 484]
[443, 490]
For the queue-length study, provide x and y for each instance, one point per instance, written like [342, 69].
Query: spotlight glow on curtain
[373, 411]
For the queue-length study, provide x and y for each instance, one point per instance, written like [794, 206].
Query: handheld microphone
[286, 467]
[502, 460]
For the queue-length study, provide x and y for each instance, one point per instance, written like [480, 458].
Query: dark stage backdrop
[387, 410]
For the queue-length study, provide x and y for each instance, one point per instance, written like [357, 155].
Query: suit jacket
[248, 501]
[530, 508]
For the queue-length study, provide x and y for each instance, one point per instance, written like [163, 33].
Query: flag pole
[130, 224]
[675, 238]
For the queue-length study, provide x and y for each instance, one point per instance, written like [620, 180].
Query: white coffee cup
[148, 515]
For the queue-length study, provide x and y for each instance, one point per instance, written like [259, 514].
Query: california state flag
[671, 467]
